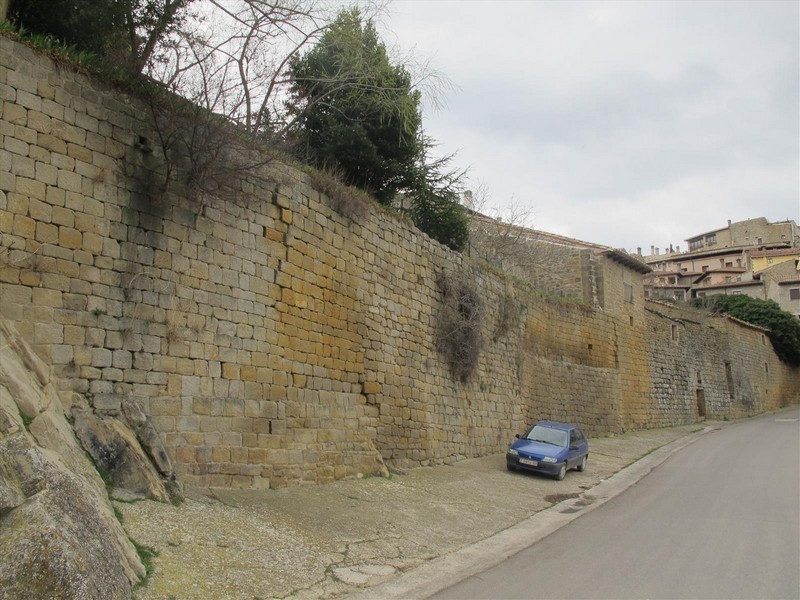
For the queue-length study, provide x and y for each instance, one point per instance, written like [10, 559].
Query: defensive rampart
[273, 341]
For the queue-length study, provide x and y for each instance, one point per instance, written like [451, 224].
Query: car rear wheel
[562, 472]
[582, 466]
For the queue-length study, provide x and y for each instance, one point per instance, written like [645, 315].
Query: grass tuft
[146, 555]
[26, 421]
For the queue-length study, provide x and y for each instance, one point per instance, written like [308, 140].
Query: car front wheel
[582, 466]
[562, 472]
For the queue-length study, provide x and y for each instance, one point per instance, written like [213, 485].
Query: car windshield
[548, 435]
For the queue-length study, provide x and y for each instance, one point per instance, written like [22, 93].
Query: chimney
[639, 250]
[729, 222]
[652, 250]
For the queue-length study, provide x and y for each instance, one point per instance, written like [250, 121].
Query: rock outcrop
[59, 537]
[117, 453]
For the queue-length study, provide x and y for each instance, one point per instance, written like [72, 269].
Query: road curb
[447, 570]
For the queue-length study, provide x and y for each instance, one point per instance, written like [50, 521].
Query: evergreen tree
[441, 216]
[435, 205]
[124, 32]
[358, 114]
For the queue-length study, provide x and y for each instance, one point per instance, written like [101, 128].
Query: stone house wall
[717, 365]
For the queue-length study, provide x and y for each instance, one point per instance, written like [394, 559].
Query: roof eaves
[627, 260]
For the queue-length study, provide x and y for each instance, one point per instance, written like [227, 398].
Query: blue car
[549, 448]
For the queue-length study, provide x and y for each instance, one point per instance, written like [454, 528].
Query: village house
[737, 259]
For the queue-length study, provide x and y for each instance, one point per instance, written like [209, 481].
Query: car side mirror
[516, 435]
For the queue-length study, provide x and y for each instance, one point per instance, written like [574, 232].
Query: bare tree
[232, 60]
[507, 239]
[232, 56]
[148, 24]
[500, 236]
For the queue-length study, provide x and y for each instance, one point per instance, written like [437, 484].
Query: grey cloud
[618, 108]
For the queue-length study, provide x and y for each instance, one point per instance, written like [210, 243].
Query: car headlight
[549, 459]
[512, 451]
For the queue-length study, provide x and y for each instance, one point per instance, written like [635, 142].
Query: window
[556, 437]
[711, 239]
[729, 264]
[794, 294]
[628, 291]
[695, 244]
[674, 332]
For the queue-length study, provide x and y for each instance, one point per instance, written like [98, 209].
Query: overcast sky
[628, 124]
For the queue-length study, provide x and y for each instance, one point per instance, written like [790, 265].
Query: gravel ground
[333, 540]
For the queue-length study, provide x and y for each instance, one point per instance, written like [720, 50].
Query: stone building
[723, 261]
[556, 264]
[765, 259]
[752, 233]
[782, 284]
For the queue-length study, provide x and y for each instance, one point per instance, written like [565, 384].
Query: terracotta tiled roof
[729, 285]
[775, 252]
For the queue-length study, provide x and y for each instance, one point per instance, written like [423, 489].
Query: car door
[574, 451]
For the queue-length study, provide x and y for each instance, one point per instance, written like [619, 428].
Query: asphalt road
[718, 519]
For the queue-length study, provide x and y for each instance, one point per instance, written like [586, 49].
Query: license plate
[528, 461]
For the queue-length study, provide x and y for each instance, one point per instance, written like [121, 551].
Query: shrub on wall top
[784, 328]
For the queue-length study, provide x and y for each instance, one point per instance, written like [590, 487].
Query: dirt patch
[556, 498]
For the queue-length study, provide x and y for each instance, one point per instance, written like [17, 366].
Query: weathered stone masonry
[273, 341]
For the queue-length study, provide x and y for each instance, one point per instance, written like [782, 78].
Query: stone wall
[273, 341]
[713, 365]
